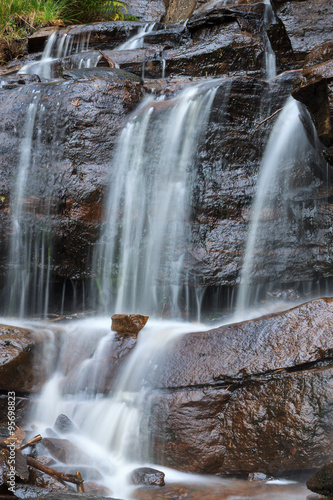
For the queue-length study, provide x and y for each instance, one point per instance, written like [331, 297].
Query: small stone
[322, 481]
[63, 424]
[129, 324]
[147, 476]
[259, 476]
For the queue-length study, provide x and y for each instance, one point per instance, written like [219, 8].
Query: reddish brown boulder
[322, 480]
[128, 324]
[249, 396]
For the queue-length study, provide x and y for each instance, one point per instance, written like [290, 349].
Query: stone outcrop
[322, 480]
[314, 88]
[249, 396]
[19, 349]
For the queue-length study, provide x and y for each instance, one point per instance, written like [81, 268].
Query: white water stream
[270, 58]
[138, 267]
[137, 41]
[142, 248]
[58, 47]
[287, 144]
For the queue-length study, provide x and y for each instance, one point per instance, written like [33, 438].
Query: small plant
[94, 10]
[21, 17]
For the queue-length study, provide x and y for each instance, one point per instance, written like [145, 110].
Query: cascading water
[139, 267]
[271, 215]
[58, 47]
[143, 246]
[28, 281]
[270, 58]
[137, 41]
[112, 426]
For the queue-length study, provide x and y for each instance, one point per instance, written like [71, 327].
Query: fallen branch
[79, 487]
[108, 59]
[268, 118]
[61, 476]
[31, 442]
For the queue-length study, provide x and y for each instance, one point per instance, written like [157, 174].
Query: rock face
[129, 324]
[86, 113]
[68, 193]
[314, 88]
[249, 396]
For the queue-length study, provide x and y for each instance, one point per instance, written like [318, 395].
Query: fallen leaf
[76, 102]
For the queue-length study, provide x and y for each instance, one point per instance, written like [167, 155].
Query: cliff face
[86, 110]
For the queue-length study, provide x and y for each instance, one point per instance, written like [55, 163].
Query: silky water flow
[138, 267]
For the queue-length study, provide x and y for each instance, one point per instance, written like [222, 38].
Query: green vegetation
[20, 17]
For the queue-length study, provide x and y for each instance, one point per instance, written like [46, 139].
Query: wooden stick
[31, 442]
[268, 118]
[69, 478]
[79, 487]
[108, 59]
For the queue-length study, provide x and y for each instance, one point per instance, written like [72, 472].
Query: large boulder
[247, 397]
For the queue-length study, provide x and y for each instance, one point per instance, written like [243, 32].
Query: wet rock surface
[147, 476]
[19, 349]
[322, 481]
[314, 88]
[71, 185]
[65, 451]
[249, 396]
[104, 373]
[230, 489]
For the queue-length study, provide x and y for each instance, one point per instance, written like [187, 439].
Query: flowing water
[139, 266]
[29, 260]
[110, 414]
[56, 48]
[270, 58]
[137, 41]
[287, 147]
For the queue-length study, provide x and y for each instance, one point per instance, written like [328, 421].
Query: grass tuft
[20, 17]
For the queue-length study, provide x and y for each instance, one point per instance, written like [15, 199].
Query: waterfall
[28, 286]
[271, 214]
[58, 47]
[137, 41]
[270, 58]
[112, 427]
[139, 263]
